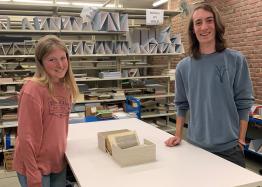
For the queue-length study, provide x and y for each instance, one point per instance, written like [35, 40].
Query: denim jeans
[235, 155]
[51, 180]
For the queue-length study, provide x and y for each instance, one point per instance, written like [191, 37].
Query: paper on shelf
[88, 47]
[40, 23]
[99, 20]
[76, 23]
[115, 21]
[66, 23]
[4, 23]
[55, 23]
[164, 35]
[124, 22]
[26, 24]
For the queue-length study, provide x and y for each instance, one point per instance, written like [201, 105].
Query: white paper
[154, 17]
[27, 25]
[4, 23]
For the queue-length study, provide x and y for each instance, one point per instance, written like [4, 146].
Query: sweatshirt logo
[220, 70]
[59, 108]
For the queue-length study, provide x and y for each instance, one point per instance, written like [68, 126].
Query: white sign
[154, 17]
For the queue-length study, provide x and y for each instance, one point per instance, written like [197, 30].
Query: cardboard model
[124, 147]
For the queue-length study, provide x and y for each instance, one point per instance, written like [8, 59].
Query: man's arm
[242, 133]
[175, 140]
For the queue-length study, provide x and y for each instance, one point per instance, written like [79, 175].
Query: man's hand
[241, 144]
[173, 141]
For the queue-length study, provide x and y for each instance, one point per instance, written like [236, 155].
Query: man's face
[204, 27]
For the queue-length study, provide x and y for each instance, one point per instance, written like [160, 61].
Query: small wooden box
[139, 154]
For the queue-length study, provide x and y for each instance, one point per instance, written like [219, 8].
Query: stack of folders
[256, 146]
[4, 23]
[151, 41]
[115, 74]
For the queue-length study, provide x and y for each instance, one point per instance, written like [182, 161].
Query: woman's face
[56, 64]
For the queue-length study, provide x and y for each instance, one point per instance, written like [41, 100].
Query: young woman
[213, 83]
[44, 107]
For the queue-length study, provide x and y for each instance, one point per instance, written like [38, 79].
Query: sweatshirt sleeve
[181, 101]
[243, 90]
[30, 132]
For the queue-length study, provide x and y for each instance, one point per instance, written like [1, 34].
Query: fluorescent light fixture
[93, 4]
[159, 2]
[87, 4]
[63, 3]
[5, 0]
[32, 1]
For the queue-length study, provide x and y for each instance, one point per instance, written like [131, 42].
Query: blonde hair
[45, 46]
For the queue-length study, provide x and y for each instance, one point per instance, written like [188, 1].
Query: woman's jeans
[51, 180]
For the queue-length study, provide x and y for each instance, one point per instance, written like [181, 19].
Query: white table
[181, 166]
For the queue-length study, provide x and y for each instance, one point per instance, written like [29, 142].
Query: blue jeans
[51, 180]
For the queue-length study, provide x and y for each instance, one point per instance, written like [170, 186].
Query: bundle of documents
[169, 72]
[12, 48]
[4, 23]
[256, 146]
[151, 41]
[110, 21]
[104, 47]
[82, 47]
[121, 47]
[116, 74]
[46, 23]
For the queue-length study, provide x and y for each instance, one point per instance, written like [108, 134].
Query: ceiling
[125, 3]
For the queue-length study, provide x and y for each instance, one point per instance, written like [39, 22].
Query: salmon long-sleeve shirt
[42, 131]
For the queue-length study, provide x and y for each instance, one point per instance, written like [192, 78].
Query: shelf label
[154, 17]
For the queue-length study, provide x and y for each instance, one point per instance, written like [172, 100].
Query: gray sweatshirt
[217, 91]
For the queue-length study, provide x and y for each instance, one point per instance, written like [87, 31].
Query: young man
[213, 83]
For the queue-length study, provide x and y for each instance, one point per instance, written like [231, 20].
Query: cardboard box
[91, 110]
[8, 160]
[134, 155]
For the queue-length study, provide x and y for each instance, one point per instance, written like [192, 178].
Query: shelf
[100, 100]
[8, 126]
[6, 150]
[14, 71]
[94, 55]
[12, 83]
[62, 32]
[167, 128]
[9, 107]
[143, 66]
[122, 78]
[154, 96]
[154, 114]
[139, 97]
[8, 92]
[49, 10]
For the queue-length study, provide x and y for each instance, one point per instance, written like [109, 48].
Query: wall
[243, 21]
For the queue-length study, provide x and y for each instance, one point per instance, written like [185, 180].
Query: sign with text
[154, 17]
